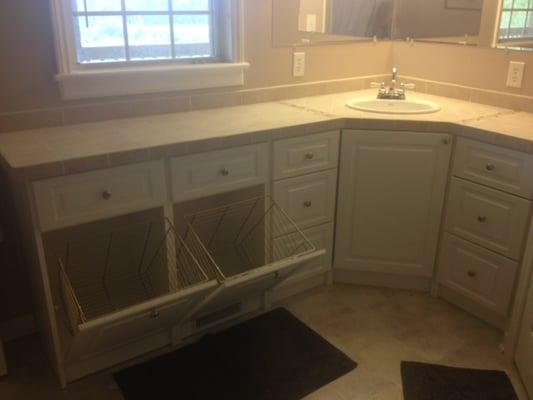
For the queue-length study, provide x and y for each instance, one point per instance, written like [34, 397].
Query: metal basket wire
[161, 264]
[241, 236]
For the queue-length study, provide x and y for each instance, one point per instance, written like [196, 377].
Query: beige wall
[431, 18]
[476, 67]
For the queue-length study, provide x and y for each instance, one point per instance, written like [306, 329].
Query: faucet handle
[409, 86]
[377, 84]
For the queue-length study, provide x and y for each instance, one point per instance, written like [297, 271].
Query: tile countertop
[42, 153]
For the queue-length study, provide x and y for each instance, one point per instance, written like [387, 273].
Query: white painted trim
[525, 279]
[17, 327]
[119, 82]
[77, 81]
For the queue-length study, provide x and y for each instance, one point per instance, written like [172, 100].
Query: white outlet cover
[298, 64]
[515, 75]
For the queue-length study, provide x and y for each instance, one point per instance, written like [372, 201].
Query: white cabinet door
[524, 350]
[391, 194]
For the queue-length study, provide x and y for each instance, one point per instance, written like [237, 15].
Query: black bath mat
[436, 382]
[274, 357]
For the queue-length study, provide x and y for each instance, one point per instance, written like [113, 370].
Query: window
[142, 30]
[116, 47]
[516, 20]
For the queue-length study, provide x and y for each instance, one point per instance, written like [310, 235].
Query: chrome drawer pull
[308, 204]
[482, 219]
[472, 273]
[490, 167]
[154, 314]
[106, 195]
[309, 156]
[224, 172]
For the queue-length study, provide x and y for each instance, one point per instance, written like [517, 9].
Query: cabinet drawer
[309, 200]
[306, 154]
[476, 273]
[487, 217]
[494, 166]
[75, 199]
[215, 172]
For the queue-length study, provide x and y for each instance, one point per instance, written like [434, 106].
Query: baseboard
[378, 279]
[17, 327]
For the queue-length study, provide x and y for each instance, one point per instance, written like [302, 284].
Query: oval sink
[386, 106]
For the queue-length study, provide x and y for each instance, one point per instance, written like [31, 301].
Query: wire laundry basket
[138, 265]
[241, 236]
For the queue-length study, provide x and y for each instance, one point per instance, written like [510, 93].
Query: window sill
[121, 82]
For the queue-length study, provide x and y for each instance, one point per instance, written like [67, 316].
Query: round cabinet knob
[482, 219]
[224, 172]
[106, 195]
[445, 141]
[309, 156]
[308, 204]
[490, 167]
[154, 314]
[472, 274]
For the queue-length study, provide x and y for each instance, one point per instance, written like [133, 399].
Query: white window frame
[78, 81]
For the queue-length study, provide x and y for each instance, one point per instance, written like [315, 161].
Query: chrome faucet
[392, 91]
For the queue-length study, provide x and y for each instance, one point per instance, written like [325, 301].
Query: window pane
[521, 4]
[506, 18]
[192, 36]
[147, 5]
[507, 4]
[190, 5]
[149, 37]
[96, 5]
[518, 22]
[100, 39]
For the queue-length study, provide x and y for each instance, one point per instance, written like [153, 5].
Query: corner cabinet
[389, 214]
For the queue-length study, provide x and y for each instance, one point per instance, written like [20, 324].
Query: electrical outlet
[515, 74]
[298, 68]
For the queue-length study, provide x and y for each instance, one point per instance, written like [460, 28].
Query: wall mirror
[444, 21]
[307, 22]
[486, 23]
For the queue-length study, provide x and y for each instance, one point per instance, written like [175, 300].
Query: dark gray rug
[274, 356]
[437, 382]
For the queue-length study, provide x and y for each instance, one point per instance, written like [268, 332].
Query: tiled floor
[376, 327]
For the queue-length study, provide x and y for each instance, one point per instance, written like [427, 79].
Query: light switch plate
[515, 75]
[299, 64]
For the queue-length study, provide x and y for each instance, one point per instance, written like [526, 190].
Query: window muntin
[110, 31]
[516, 20]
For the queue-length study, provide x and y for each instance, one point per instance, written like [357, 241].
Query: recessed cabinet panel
[494, 166]
[306, 154]
[488, 217]
[221, 171]
[391, 194]
[76, 199]
[476, 273]
[309, 200]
